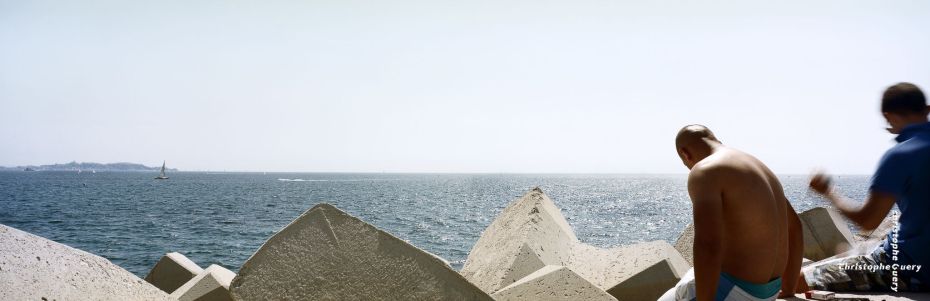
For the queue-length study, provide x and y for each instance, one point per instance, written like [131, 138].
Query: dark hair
[904, 98]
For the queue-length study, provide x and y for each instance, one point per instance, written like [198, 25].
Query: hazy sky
[451, 86]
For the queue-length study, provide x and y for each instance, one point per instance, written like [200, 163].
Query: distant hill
[87, 166]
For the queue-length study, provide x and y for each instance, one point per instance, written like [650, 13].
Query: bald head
[695, 133]
[694, 143]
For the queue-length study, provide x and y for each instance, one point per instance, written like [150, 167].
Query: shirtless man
[746, 234]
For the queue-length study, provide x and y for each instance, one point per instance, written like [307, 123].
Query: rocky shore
[529, 252]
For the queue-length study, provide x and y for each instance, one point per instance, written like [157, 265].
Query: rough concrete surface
[649, 284]
[438, 257]
[551, 283]
[685, 244]
[35, 268]
[825, 233]
[211, 284]
[531, 233]
[880, 232]
[172, 271]
[528, 224]
[326, 254]
[609, 268]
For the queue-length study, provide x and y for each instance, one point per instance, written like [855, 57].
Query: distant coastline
[85, 166]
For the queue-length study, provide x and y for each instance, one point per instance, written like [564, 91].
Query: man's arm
[795, 252]
[707, 204]
[868, 216]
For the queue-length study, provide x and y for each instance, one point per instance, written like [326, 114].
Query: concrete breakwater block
[172, 271]
[879, 233]
[551, 283]
[35, 268]
[211, 284]
[685, 244]
[637, 272]
[825, 233]
[507, 249]
[438, 257]
[531, 233]
[326, 254]
[651, 282]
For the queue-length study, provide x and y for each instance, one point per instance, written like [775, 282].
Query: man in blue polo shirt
[902, 261]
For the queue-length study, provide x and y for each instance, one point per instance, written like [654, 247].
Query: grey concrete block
[531, 233]
[552, 283]
[825, 233]
[326, 254]
[33, 268]
[608, 268]
[879, 233]
[210, 285]
[172, 271]
[534, 220]
[438, 257]
[650, 283]
[685, 244]
[525, 262]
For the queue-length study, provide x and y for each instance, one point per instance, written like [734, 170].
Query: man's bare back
[745, 230]
[754, 206]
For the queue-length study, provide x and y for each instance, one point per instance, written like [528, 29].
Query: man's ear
[685, 154]
[889, 117]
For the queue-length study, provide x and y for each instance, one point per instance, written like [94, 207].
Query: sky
[578, 86]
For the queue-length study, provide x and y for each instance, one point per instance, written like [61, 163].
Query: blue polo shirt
[904, 172]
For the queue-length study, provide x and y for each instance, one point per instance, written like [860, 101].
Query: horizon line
[176, 169]
[436, 172]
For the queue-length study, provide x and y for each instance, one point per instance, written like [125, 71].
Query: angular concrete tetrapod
[325, 254]
[685, 244]
[172, 271]
[651, 282]
[825, 233]
[210, 285]
[35, 268]
[506, 250]
[552, 283]
[879, 233]
[640, 270]
[531, 233]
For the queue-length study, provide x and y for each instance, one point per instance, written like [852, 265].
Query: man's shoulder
[917, 144]
[907, 150]
[708, 169]
[899, 162]
[722, 163]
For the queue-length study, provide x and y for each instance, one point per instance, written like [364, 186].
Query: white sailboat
[162, 176]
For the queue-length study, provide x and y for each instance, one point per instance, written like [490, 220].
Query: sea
[222, 218]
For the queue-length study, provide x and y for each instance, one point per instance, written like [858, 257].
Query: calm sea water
[222, 218]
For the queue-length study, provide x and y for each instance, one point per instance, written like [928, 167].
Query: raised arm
[707, 204]
[868, 216]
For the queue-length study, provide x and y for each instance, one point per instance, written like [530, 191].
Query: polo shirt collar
[911, 130]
